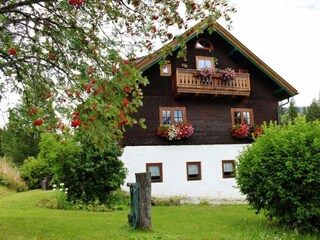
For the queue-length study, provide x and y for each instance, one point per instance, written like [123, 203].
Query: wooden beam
[233, 51]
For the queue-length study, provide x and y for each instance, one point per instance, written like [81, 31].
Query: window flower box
[175, 131]
[243, 131]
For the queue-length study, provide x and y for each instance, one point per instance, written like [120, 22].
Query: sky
[284, 34]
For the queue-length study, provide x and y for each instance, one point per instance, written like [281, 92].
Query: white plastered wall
[174, 159]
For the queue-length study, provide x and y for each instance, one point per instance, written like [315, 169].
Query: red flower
[93, 81]
[126, 61]
[154, 29]
[12, 51]
[75, 123]
[38, 122]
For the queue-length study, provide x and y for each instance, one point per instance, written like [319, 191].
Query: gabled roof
[148, 61]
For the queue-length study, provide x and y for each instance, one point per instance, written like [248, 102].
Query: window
[166, 70]
[204, 62]
[228, 168]
[242, 116]
[172, 115]
[155, 170]
[193, 171]
[204, 44]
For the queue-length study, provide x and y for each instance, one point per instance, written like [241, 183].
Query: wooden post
[144, 183]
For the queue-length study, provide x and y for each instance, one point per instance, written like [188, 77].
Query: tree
[1, 151]
[278, 174]
[81, 54]
[293, 110]
[19, 139]
[313, 111]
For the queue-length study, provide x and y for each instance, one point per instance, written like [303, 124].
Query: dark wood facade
[208, 112]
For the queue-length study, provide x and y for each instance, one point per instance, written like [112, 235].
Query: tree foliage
[70, 54]
[19, 139]
[313, 110]
[279, 173]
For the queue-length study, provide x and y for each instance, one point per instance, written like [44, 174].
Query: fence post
[144, 192]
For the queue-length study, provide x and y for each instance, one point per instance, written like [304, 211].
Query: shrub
[89, 172]
[279, 173]
[10, 176]
[34, 170]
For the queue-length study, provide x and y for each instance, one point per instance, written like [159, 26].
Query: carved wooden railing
[185, 81]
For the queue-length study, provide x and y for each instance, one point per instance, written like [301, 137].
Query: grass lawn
[21, 217]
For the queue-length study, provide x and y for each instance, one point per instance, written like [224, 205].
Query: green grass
[22, 217]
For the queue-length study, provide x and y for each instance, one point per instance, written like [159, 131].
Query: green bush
[89, 172]
[34, 170]
[280, 174]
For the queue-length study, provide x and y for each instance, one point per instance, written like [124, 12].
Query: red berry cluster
[77, 3]
[12, 51]
[76, 122]
[38, 122]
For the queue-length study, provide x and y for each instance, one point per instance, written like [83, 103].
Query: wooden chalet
[201, 165]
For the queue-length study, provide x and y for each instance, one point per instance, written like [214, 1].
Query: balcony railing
[186, 82]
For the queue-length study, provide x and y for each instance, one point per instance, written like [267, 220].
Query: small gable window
[166, 70]
[204, 44]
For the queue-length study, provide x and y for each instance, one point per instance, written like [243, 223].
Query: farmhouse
[191, 105]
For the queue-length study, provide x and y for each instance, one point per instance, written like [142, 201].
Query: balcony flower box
[227, 74]
[175, 131]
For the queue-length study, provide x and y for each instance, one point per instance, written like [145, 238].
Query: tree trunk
[144, 183]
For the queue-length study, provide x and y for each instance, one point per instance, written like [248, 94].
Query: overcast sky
[285, 34]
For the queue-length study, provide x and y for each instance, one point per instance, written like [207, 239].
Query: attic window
[166, 70]
[204, 44]
[204, 62]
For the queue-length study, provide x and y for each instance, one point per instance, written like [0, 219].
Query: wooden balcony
[185, 82]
